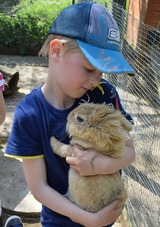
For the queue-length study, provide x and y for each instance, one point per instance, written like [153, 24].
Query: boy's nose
[94, 80]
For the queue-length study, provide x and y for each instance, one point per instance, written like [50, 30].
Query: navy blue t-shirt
[35, 121]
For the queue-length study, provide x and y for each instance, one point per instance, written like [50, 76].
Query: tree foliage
[27, 24]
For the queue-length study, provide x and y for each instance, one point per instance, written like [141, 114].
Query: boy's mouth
[85, 89]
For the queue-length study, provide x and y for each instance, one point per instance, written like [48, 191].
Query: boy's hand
[104, 217]
[83, 161]
[91, 162]
[108, 215]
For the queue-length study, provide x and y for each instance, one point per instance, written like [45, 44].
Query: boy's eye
[89, 70]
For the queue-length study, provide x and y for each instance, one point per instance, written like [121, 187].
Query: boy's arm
[2, 108]
[35, 172]
[2, 104]
[112, 165]
[91, 162]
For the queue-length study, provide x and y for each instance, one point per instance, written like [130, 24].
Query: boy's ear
[55, 48]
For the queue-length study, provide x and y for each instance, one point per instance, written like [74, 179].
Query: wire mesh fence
[140, 95]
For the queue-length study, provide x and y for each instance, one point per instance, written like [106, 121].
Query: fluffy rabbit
[106, 130]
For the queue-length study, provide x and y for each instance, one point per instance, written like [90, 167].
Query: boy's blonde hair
[70, 44]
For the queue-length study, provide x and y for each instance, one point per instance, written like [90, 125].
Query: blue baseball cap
[96, 33]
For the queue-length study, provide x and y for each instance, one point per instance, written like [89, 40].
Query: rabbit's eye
[80, 119]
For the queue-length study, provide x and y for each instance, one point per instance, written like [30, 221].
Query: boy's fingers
[77, 152]
[71, 160]
[115, 204]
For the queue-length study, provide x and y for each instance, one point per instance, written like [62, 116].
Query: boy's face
[75, 75]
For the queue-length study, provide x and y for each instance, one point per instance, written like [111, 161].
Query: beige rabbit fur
[99, 127]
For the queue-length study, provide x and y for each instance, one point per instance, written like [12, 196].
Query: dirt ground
[15, 196]
[14, 193]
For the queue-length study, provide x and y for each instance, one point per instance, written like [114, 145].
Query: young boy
[83, 42]
[2, 104]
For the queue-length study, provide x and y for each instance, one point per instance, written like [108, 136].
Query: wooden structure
[152, 16]
[141, 13]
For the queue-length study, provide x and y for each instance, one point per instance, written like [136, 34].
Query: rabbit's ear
[116, 131]
[126, 124]
[121, 128]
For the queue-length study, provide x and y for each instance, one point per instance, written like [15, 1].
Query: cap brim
[107, 61]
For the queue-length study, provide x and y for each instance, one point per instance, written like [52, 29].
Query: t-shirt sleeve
[24, 140]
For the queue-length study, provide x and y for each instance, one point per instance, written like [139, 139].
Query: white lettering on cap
[114, 35]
